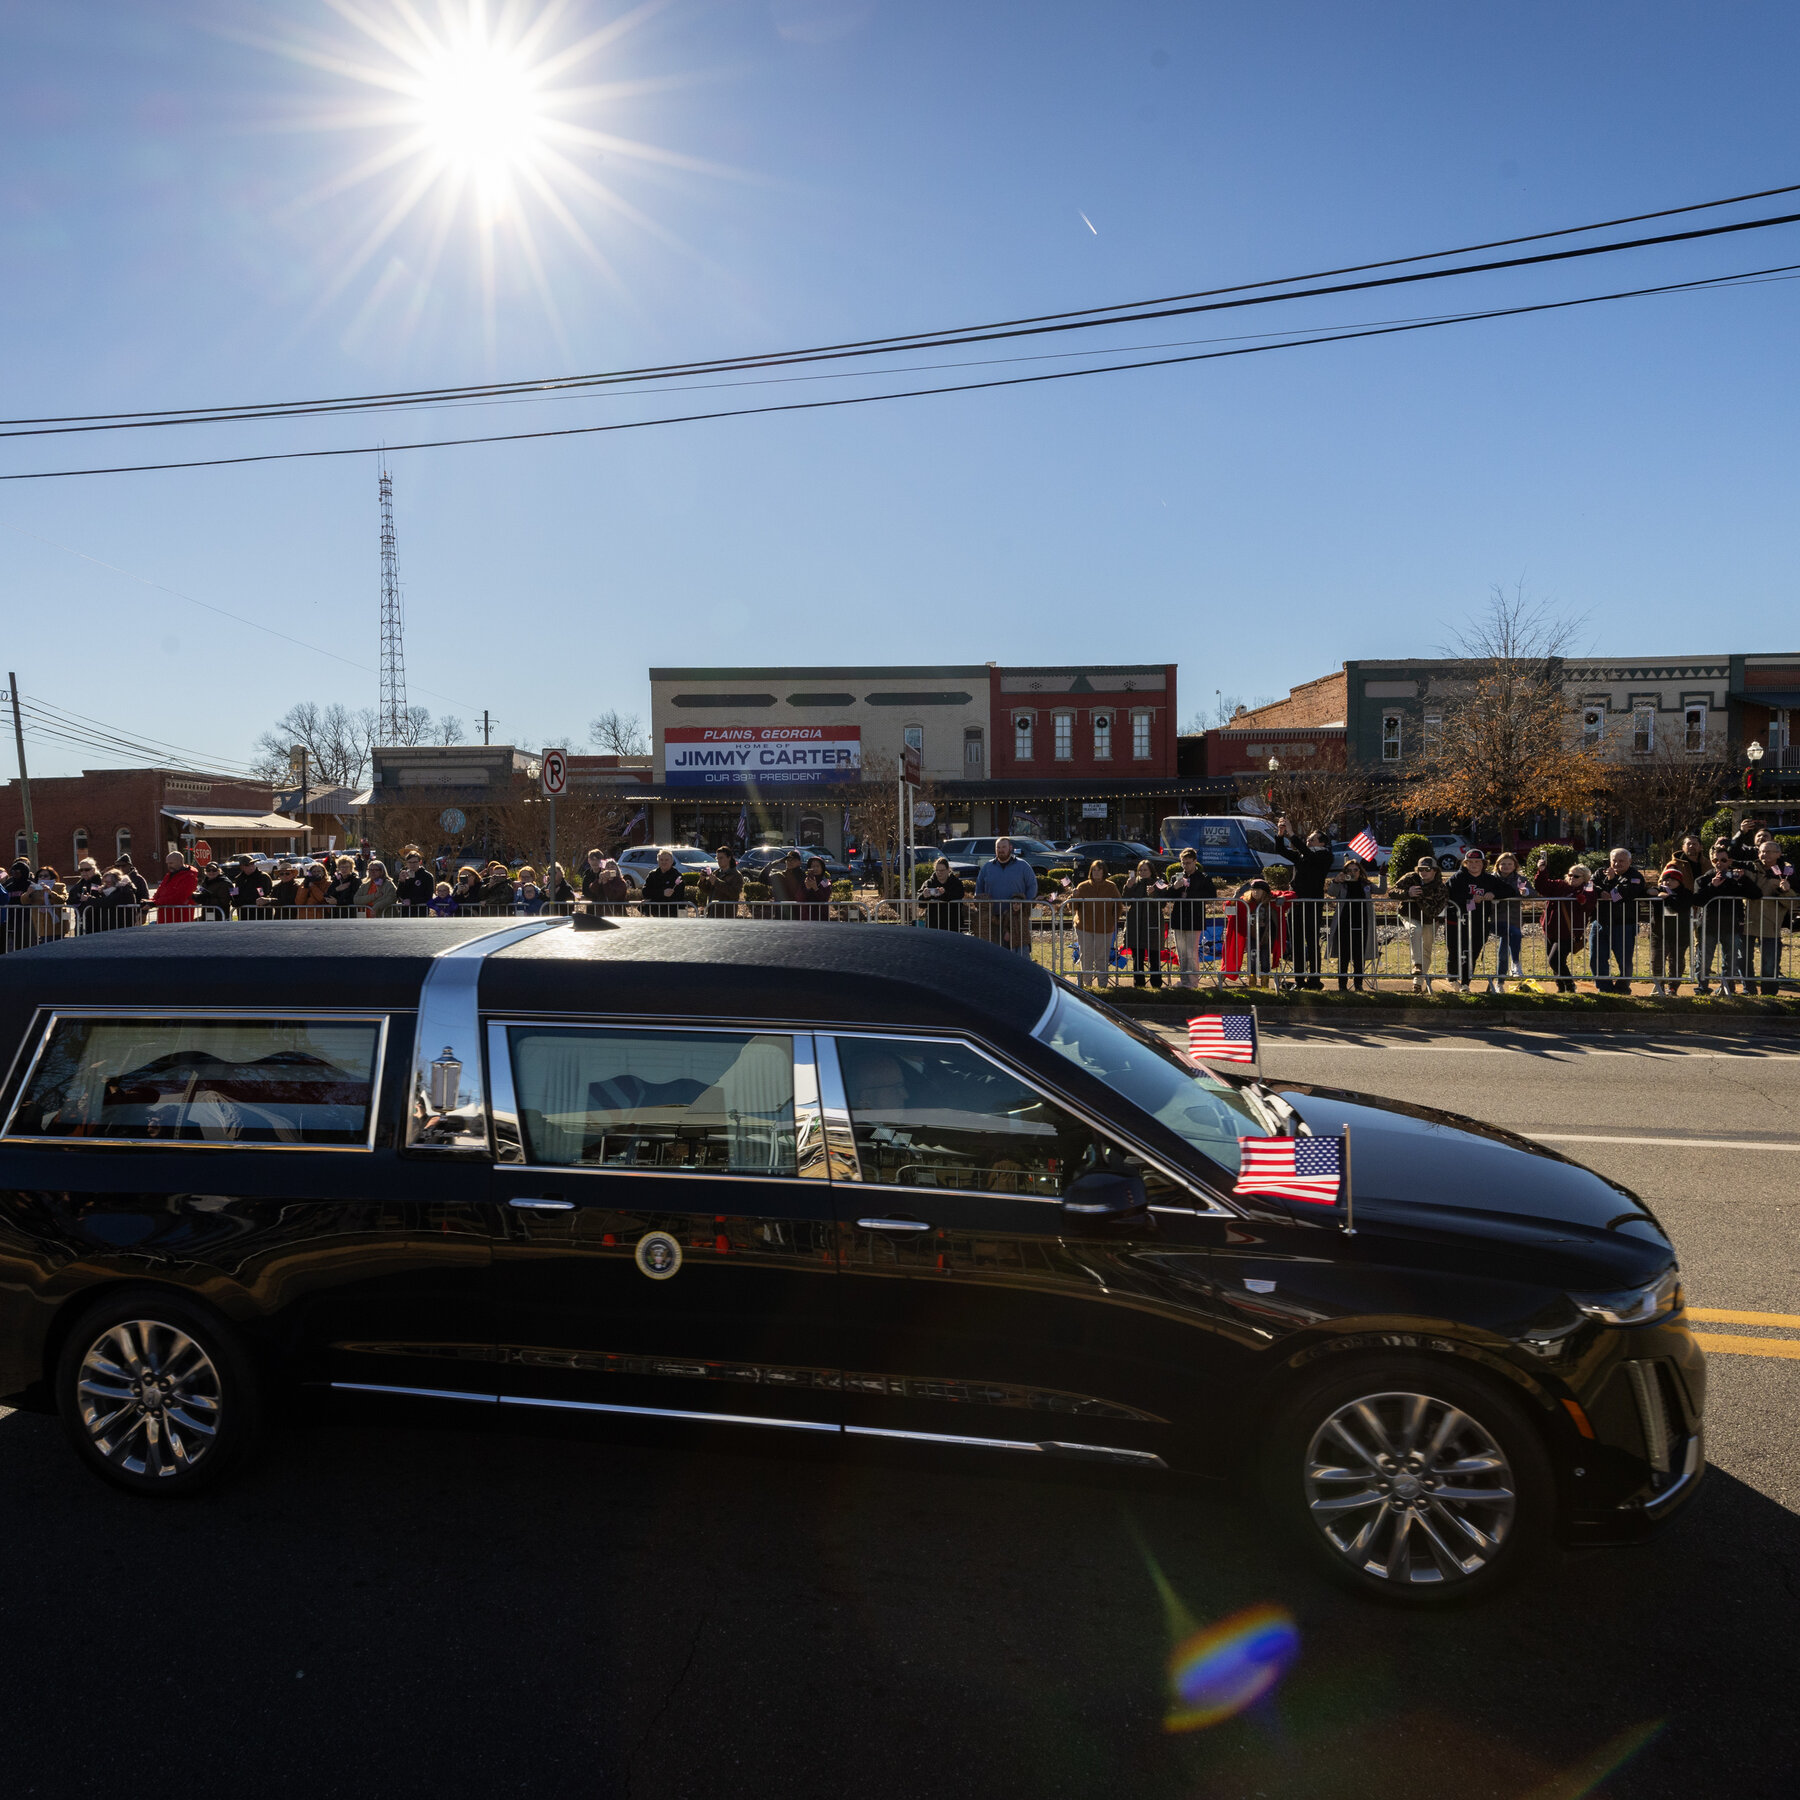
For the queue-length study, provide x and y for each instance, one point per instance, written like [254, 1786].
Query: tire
[1415, 1540]
[1449, 864]
[157, 1394]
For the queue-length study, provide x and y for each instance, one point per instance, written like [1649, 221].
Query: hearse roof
[682, 968]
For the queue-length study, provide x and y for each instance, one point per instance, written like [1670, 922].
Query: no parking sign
[555, 774]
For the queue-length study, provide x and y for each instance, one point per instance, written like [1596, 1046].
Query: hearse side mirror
[1105, 1193]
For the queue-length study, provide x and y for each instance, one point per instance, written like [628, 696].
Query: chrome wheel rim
[149, 1398]
[1410, 1489]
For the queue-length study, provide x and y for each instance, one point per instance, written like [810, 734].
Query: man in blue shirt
[1008, 886]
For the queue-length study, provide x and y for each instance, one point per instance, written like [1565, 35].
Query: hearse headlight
[1635, 1306]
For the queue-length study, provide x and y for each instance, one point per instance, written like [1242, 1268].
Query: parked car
[1231, 846]
[1120, 856]
[1450, 849]
[640, 859]
[763, 858]
[859, 1182]
[1033, 851]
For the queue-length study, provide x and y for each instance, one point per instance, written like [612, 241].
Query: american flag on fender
[1223, 1037]
[1364, 847]
[1303, 1168]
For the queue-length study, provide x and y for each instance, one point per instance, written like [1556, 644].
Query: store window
[972, 755]
[1779, 727]
[1434, 733]
[1390, 737]
[1593, 727]
[1643, 731]
[915, 737]
[1693, 735]
[81, 843]
[1022, 737]
[1102, 737]
[121, 842]
[1065, 736]
[21, 846]
[1140, 737]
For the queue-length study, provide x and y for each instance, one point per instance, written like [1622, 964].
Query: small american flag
[1364, 847]
[1305, 1168]
[1223, 1037]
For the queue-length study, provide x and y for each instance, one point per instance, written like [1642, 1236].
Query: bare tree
[1331, 795]
[1506, 743]
[419, 727]
[1670, 791]
[618, 734]
[337, 742]
[873, 805]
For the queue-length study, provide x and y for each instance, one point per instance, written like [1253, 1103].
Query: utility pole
[31, 838]
[486, 732]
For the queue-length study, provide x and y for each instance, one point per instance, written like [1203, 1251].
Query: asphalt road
[446, 1612]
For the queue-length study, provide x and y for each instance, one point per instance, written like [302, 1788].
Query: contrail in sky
[1089, 223]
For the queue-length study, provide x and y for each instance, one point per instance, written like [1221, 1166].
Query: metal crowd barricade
[1729, 945]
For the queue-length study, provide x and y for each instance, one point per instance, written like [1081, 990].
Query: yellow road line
[1719, 1344]
[1715, 1316]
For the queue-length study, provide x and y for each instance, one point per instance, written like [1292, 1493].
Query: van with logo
[1230, 846]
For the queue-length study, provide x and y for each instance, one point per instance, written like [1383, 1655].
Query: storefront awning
[1777, 697]
[234, 824]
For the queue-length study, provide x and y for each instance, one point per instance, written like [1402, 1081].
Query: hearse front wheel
[1411, 1480]
[157, 1394]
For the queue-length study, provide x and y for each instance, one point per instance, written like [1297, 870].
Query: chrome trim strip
[1146, 1459]
[893, 1224]
[840, 1135]
[238, 1014]
[811, 1161]
[412, 1393]
[1691, 1466]
[1205, 1206]
[545, 1205]
[1049, 1006]
[446, 1097]
[667, 1412]
[503, 1105]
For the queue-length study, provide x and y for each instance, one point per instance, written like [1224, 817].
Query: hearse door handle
[549, 1203]
[892, 1225]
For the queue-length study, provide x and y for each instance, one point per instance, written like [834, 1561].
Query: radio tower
[393, 647]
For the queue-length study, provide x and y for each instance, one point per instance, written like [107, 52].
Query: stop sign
[202, 851]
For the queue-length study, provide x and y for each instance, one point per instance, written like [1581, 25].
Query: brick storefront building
[101, 812]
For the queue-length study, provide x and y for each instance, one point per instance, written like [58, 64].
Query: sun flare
[479, 138]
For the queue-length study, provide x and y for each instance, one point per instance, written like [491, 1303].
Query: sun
[482, 124]
[478, 111]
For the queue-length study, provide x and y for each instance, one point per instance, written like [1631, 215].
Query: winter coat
[1143, 914]
[112, 907]
[607, 890]
[1431, 901]
[284, 894]
[341, 889]
[1719, 899]
[1766, 917]
[310, 897]
[722, 888]
[215, 890]
[1240, 927]
[174, 894]
[499, 892]
[1570, 913]
[416, 888]
[662, 889]
[1312, 868]
[1096, 906]
[944, 910]
[250, 885]
[1190, 894]
[377, 902]
[1619, 895]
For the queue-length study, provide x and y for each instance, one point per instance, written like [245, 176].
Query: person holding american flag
[1353, 918]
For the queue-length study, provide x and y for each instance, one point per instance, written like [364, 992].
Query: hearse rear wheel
[1411, 1480]
[157, 1395]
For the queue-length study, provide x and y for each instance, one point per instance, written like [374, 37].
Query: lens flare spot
[1220, 1671]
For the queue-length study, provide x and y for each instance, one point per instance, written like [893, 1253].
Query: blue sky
[862, 167]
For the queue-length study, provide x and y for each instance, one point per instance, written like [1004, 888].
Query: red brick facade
[1316, 702]
[1236, 751]
[1082, 722]
[103, 803]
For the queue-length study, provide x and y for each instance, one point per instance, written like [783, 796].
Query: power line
[119, 743]
[1089, 318]
[1503, 312]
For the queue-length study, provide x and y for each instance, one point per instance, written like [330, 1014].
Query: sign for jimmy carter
[731, 755]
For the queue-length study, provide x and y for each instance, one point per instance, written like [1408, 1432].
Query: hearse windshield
[1191, 1101]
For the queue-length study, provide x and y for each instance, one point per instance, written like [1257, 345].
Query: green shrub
[1722, 824]
[1172, 872]
[1278, 875]
[1054, 878]
[1790, 847]
[1551, 860]
[842, 890]
[1410, 847]
[756, 890]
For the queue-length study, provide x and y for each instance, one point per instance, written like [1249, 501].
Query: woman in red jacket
[1573, 905]
[1256, 933]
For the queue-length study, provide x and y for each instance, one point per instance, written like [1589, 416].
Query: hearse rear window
[203, 1081]
[712, 1102]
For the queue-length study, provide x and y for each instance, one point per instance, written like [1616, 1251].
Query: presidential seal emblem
[658, 1255]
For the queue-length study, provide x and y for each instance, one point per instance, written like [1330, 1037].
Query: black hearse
[863, 1181]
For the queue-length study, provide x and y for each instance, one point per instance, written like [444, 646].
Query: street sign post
[554, 774]
[202, 852]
